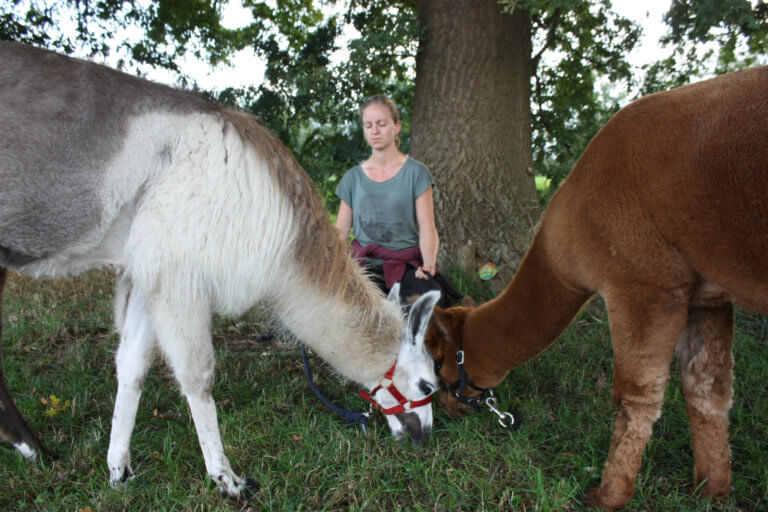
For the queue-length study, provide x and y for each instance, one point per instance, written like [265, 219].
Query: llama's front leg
[133, 360]
[705, 353]
[185, 339]
[644, 335]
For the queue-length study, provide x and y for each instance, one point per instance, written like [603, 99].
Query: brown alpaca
[666, 217]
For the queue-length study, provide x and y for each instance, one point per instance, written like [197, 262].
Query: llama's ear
[394, 293]
[418, 318]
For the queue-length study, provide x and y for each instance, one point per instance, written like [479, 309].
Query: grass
[58, 341]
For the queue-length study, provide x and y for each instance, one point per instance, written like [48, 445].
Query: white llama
[198, 208]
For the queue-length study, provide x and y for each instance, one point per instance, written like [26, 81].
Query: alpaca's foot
[714, 487]
[593, 498]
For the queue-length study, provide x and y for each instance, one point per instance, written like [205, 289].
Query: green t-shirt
[385, 213]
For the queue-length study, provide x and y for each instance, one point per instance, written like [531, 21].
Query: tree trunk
[471, 126]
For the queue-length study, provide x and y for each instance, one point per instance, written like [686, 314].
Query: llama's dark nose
[413, 426]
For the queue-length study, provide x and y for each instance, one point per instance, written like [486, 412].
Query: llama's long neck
[355, 330]
[523, 321]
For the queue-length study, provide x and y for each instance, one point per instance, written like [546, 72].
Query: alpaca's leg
[705, 354]
[644, 328]
[183, 334]
[133, 360]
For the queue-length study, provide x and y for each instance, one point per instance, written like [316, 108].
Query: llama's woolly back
[99, 147]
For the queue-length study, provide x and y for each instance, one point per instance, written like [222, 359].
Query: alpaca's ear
[442, 319]
[418, 318]
[446, 329]
[436, 338]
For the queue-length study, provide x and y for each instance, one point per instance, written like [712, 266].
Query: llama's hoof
[250, 488]
[236, 488]
[119, 476]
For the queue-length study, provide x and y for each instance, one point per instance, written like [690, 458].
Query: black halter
[457, 388]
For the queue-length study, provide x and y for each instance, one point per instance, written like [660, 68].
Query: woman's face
[379, 128]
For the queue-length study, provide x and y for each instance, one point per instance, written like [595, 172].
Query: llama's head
[414, 374]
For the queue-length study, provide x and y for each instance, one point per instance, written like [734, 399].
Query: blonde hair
[380, 99]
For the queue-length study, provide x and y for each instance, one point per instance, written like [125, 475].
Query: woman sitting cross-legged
[387, 202]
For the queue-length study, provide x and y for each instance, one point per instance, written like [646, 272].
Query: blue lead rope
[349, 416]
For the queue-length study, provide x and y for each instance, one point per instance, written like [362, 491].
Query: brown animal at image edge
[665, 217]
[13, 427]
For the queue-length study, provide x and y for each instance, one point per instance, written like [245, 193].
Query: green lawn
[58, 340]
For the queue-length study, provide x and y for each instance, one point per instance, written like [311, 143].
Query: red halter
[404, 403]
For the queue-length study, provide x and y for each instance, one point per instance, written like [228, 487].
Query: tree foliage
[310, 101]
[577, 45]
[709, 37]
[170, 29]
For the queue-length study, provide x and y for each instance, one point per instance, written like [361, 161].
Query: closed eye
[426, 387]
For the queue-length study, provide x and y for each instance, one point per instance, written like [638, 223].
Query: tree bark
[471, 126]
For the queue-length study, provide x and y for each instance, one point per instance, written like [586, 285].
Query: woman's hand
[426, 271]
